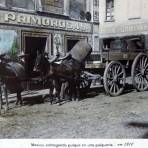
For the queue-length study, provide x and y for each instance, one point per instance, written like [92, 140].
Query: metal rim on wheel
[139, 72]
[114, 78]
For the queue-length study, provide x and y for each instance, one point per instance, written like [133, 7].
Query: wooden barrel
[80, 51]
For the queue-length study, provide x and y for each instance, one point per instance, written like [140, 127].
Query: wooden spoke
[114, 78]
[139, 72]
[85, 84]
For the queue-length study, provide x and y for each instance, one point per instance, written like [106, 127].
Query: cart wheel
[114, 78]
[139, 72]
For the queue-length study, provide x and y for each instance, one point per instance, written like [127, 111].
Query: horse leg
[62, 92]
[1, 99]
[51, 89]
[73, 91]
[58, 86]
[6, 97]
[77, 85]
[19, 98]
[77, 91]
[68, 90]
[58, 93]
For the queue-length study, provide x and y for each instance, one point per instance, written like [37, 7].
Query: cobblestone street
[95, 116]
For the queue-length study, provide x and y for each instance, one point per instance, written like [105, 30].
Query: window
[77, 9]
[134, 5]
[114, 44]
[27, 4]
[96, 2]
[2, 3]
[96, 10]
[118, 44]
[19, 4]
[8, 42]
[109, 10]
[135, 44]
[52, 6]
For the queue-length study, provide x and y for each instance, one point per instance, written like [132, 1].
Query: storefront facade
[60, 31]
[49, 26]
[43, 34]
[123, 18]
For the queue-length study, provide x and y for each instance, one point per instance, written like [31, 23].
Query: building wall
[129, 18]
[34, 8]
[126, 10]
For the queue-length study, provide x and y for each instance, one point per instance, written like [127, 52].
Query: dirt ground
[94, 116]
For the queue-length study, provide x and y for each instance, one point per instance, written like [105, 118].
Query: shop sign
[125, 29]
[45, 22]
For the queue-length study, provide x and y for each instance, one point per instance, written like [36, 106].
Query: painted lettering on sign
[124, 29]
[39, 21]
[132, 28]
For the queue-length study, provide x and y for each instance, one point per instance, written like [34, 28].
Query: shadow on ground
[92, 92]
[128, 88]
[33, 99]
[84, 94]
[142, 125]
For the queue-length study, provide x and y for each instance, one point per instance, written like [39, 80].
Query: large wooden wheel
[114, 78]
[139, 72]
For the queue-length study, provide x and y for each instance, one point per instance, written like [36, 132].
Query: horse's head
[41, 63]
[5, 57]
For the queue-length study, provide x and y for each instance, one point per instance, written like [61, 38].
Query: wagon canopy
[80, 51]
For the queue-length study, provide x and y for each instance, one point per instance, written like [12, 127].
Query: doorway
[33, 45]
[71, 43]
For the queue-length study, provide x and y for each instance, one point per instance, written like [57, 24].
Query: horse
[66, 73]
[42, 65]
[12, 74]
[70, 68]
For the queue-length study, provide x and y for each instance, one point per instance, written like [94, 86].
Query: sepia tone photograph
[72, 69]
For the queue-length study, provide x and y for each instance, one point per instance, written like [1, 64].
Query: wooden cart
[121, 57]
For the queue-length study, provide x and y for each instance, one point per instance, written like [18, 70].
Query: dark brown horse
[70, 68]
[43, 65]
[12, 74]
[66, 73]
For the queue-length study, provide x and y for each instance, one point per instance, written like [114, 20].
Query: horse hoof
[6, 108]
[76, 99]
[59, 104]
